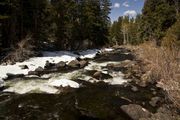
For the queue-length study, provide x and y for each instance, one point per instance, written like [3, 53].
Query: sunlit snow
[63, 83]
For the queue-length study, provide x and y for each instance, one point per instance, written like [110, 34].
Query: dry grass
[22, 51]
[164, 65]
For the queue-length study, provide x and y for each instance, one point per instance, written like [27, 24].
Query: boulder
[23, 66]
[135, 111]
[74, 64]
[33, 73]
[78, 58]
[12, 76]
[12, 63]
[61, 64]
[117, 67]
[154, 101]
[164, 114]
[83, 63]
[101, 76]
[97, 75]
[49, 65]
[39, 69]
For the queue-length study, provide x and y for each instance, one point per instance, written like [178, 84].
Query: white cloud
[116, 5]
[130, 13]
[125, 4]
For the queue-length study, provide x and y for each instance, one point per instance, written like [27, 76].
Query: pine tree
[157, 17]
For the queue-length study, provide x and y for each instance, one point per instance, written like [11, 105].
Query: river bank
[107, 86]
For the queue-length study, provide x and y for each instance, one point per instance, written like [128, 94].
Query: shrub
[23, 50]
[172, 37]
[164, 64]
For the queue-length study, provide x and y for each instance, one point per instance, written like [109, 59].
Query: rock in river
[23, 66]
[74, 64]
[39, 69]
[83, 63]
[101, 76]
[61, 64]
[49, 65]
[12, 76]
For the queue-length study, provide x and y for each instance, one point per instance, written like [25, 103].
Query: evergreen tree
[157, 17]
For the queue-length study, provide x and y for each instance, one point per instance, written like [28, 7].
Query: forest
[66, 24]
[68, 60]
[63, 23]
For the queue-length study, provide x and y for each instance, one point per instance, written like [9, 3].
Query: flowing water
[94, 100]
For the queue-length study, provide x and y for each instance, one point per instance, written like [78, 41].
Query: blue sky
[125, 7]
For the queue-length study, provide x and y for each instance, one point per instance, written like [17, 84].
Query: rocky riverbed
[101, 85]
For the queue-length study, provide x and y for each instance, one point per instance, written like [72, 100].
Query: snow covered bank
[53, 57]
[108, 49]
[55, 80]
[89, 53]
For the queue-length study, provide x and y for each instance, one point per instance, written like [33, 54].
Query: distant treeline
[66, 24]
[159, 22]
[78, 24]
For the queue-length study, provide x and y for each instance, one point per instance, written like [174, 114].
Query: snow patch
[53, 57]
[63, 83]
[89, 53]
[98, 66]
[117, 81]
[108, 49]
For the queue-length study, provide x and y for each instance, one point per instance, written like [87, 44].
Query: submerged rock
[135, 111]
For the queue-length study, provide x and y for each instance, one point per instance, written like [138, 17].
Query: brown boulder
[135, 112]
[39, 69]
[101, 76]
[83, 63]
[154, 101]
[61, 64]
[97, 75]
[74, 64]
